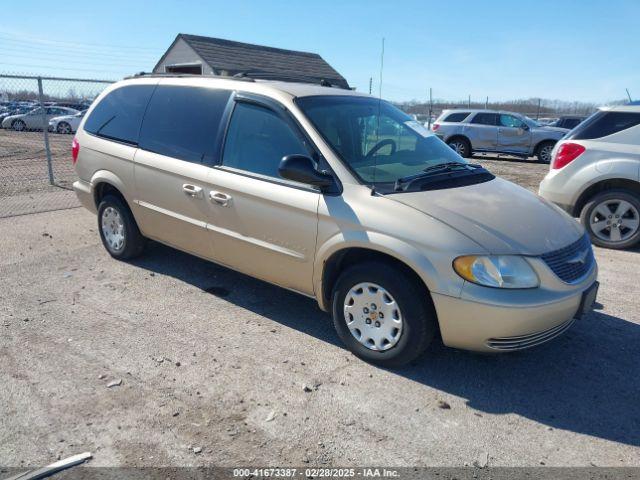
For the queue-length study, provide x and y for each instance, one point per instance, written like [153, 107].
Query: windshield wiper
[434, 170]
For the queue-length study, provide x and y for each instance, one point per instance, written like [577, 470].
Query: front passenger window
[510, 121]
[257, 139]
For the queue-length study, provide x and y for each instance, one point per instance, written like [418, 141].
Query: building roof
[260, 61]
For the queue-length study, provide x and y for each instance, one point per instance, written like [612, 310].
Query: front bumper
[493, 320]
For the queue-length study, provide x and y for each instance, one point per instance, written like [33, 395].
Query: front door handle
[220, 198]
[192, 190]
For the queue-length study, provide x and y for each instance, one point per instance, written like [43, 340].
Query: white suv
[595, 174]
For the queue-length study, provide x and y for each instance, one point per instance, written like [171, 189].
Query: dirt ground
[170, 360]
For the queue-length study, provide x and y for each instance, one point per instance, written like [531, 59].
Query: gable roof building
[214, 56]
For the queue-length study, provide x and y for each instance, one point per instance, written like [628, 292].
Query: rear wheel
[612, 219]
[63, 127]
[461, 146]
[19, 126]
[381, 314]
[544, 152]
[118, 229]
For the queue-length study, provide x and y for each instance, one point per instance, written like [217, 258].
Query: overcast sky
[571, 50]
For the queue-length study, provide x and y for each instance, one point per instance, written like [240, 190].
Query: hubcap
[545, 153]
[373, 316]
[459, 147]
[113, 228]
[64, 128]
[614, 220]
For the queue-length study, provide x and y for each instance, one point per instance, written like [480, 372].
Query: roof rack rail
[186, 75]
[243, 76]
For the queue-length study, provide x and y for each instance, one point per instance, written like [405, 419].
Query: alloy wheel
[459, 147]
[373, 316]
[545, 153]
[614, 220]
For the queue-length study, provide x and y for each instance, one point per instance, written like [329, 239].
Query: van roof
[295, 89]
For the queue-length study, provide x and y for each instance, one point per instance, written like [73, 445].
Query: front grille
[571, 262]
[520, 342]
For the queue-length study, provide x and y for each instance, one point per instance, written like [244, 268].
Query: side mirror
[525, 127]
[301, 168]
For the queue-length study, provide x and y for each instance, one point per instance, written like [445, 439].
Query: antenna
[375, 162]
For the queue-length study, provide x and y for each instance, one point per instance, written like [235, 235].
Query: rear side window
[570, 123]
[601, 124]
[118, 116]
[485, 119]
[456, 117]
[183, 122]
[257, 139]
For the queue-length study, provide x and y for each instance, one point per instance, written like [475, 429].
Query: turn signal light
[566, 154]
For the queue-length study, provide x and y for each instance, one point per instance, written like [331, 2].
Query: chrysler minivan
[338, 196]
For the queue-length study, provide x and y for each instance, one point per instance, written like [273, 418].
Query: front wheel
[118, 229]
[19, 126]
[382, 314]
[612, 219]
[544, 152]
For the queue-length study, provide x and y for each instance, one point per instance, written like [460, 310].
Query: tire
[622, 231]
[461, 146]
[543, 152]
[64, 128]
[418, 319]
[19, 126]
[118, 229]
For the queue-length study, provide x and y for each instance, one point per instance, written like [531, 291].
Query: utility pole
[469, 103]
[370, 85]
[430, 107]
[628, 95]
[486, 103]
[538, 112]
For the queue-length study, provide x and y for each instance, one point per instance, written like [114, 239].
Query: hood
[547, 128]
[500, 216]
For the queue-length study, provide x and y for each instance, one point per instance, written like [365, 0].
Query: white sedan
[66, 123]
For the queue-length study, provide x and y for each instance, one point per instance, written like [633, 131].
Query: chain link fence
[38, 116]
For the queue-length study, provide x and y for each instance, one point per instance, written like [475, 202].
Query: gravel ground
[201, 357]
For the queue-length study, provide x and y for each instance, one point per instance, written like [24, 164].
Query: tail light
[75, 150]
[435, 126]
[567, 153]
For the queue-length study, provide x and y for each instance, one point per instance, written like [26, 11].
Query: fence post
[45, 130]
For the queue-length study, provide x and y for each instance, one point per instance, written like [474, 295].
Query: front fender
[394, 247]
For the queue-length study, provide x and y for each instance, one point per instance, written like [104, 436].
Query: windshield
[379, 142]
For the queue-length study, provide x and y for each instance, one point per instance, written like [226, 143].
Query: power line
[111, 63]
[71, 51]
[48, 41]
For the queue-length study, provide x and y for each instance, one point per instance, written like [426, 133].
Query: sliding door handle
[220, 198]
[192, 190]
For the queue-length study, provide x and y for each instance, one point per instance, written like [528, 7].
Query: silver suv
[469, 131]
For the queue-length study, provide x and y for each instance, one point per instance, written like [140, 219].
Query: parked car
[32, 120]
[468, 131]
[66, 123]
[568, 121]
[595, 175]
[14, 111]
[396, 235]
[75, 105]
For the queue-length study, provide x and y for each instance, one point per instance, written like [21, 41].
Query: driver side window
[510, 121]
[258, 139]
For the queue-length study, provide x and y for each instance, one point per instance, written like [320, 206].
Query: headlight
[499, 271]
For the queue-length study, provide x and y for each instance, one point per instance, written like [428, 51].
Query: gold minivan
[339, 196]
